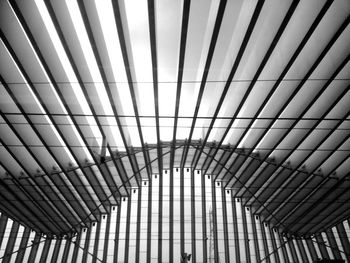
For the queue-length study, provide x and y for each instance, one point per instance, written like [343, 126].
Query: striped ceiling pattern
[96, 96]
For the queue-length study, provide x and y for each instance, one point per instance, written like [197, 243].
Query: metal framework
[98, 98]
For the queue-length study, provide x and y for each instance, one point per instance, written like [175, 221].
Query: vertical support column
[121, 236]
[154, 218]
[105, 236]
[171, 215]
[86, 247]
[241, 231]
[311, 249]
[280, 246]
[291, 257]
[144, 220]
[260, 238]
[225, 221]
[33, 239]
[333, 244]
[134, 208]
[182, 216]
[193, 216]
[3, 223]
[274, 256]
[344, 239]
[111, 239]
[51, 249]
[285, 248]
[44, 247]
[165, 216]
[309, 257]
[5, 236]
[302, 250]
[220, 236]
[138, 223]
[34, 251]
[339, 244]
[209, 219]
[80, 247]
[92, 241]
[160, 216]
[67, 248]
[255, 237]
[204, 224]
[149, 220]
[56, 250]
[245, 232]
[23, 244]
[231, 230]
[213, 224]
[250, 235]
[327, 245]
[176, 217]
[268, 240]
[61, 250]
[10, 243]
[199, 216]
[100, 246]
[187, 211]
[127, 228]
[293, 250]
[316, 246]
[17, 246]
[321, 245]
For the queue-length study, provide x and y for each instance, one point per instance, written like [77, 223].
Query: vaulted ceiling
[97, 95]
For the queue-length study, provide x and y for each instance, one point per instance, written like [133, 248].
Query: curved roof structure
[98, 96]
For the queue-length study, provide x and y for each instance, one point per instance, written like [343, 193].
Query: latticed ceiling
[97, 95]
